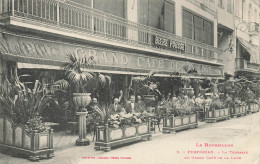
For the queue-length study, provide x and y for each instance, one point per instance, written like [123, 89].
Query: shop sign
[174, 45]
[58, 51]
[161, 41]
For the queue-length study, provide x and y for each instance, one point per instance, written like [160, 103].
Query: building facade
[247, 19]
[127, 37]
[130, 37]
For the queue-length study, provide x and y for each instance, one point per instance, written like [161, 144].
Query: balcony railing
[253, 27]
[70, 15]
[246, 65]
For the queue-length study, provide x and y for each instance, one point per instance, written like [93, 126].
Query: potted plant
[179, 115]
[147, 86]
[217, 110]
[75, 71]
[119, 128]
[21, 127]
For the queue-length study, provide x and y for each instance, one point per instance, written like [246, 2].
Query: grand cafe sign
[57, 51]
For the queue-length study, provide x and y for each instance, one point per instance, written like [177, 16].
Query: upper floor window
[159, 14]
[230, 6]
[197, 28]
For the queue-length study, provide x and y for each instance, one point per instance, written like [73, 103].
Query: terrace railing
[73, 16]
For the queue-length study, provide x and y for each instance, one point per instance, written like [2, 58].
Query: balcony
[244, 65]
[66, 16]
[253, 28]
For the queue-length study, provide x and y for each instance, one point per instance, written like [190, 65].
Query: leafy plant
[24, 105]
[74, 70]
[147, 83]
[104, 112]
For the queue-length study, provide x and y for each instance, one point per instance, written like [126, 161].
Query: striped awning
[251, 49]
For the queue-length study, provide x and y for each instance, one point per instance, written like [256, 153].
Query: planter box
[172, 124]
[217, 115]
[108, 137]
[239, 111]
[253, 108]
[16, 140]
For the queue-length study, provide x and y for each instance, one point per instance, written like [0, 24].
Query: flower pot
[109, 137]
[149, 100]
[172, 124]
[81, 100]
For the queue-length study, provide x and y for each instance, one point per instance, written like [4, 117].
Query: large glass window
[197, 28]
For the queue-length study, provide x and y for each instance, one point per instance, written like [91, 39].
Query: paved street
[243, 133]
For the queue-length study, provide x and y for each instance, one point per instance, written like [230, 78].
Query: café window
[197, 28]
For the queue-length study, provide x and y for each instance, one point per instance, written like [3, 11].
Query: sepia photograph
[129, 81]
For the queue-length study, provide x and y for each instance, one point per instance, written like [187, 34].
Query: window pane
[198, 29]
[169, 22]
[187, 24]
[208, 28]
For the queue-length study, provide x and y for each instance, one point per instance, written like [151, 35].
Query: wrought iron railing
[71, 15]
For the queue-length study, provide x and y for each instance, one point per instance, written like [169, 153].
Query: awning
[114, 71]
[40, 53]
[251, 49]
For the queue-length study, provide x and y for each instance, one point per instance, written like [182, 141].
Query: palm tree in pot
[78, 77]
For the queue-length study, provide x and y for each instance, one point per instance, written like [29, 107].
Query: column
[82, 140]
[131, 13]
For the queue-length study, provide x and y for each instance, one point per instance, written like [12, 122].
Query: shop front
[35, 53]
[35, 62]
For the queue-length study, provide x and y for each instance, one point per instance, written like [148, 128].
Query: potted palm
[75, 71]
[78, 77]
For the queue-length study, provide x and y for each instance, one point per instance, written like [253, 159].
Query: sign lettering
[161, 41]
[44, 49]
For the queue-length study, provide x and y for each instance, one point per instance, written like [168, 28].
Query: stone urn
[81, 100]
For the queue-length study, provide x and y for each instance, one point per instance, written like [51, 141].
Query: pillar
[82, 140]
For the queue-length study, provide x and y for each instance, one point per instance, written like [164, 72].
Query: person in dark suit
[94, 103]
[121, 98]
[133, 107]
[140, 102]
[116, 107]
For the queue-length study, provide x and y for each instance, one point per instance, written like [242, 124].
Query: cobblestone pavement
[243, 133]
